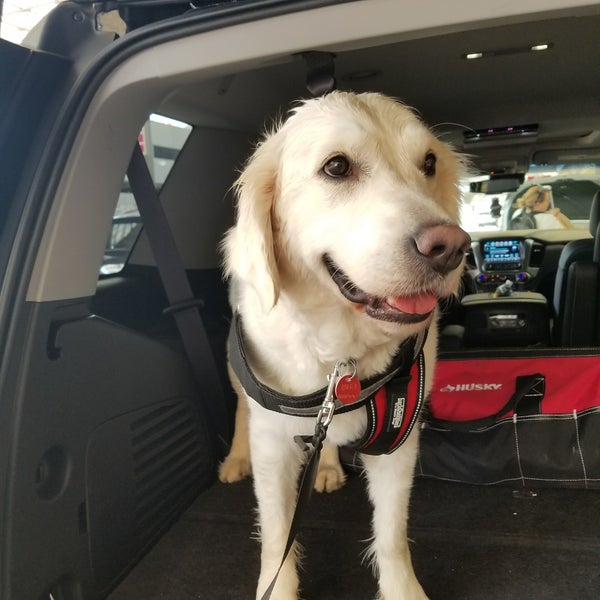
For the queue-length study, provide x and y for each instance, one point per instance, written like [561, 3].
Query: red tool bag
[528, 419]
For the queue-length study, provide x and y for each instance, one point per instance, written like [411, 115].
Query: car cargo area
[109, 445]
[514, 540]
[468, 542]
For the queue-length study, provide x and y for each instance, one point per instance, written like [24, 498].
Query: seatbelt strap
[182, 304]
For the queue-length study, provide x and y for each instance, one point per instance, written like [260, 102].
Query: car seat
[576, 294]
[516, 319]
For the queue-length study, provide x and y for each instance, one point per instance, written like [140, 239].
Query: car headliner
[239, 77]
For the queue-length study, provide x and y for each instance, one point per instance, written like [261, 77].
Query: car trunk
[466, 542]
[110, 457]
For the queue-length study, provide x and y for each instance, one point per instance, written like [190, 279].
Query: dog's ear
[250, 245]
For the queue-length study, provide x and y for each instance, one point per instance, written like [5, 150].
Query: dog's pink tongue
[415, 305]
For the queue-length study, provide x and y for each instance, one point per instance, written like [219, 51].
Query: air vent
[143, 469]
[470, 260]
[167, 457]
[537, 255]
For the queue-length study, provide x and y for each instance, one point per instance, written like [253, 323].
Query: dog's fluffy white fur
[359, 180]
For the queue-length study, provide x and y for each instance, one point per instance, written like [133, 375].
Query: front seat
[576, 288]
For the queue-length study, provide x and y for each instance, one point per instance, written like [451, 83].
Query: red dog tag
[347, 389]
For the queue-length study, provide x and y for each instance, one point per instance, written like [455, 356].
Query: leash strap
[307, 484]
[183, 304]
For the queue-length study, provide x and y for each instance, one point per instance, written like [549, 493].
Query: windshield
[549, 197]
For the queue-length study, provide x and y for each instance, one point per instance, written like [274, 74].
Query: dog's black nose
[443, 246]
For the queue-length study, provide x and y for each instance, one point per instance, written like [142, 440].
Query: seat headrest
[595, 214]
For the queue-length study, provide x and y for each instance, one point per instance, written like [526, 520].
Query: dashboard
[498, 259]
[529, 262]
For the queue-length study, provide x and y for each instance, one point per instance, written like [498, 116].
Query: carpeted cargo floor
[468, 543]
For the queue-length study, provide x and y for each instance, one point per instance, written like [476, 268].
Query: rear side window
[19, 17]
[161, 140]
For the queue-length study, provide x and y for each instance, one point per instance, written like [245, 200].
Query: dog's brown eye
[338, 166]
[429, 164]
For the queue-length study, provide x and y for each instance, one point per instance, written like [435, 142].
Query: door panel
[108, 447]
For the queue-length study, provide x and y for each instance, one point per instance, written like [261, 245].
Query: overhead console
[495, 260]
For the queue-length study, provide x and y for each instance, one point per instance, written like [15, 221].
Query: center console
[519, 319]
[498, 259]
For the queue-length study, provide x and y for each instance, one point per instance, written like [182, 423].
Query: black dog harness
[393, 399]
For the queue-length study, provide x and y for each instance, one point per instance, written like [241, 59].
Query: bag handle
[527, 386]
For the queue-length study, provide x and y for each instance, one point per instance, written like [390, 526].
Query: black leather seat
[576, 288]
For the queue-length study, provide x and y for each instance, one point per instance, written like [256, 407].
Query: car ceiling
[559, 89]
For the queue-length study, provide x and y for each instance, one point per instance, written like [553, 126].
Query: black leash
[312, 447]
[307, 484]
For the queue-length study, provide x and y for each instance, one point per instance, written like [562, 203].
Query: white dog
[346, 238]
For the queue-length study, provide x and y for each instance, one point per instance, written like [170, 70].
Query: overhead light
[490, 133]
[506, 51]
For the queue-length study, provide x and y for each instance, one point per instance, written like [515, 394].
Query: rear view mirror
[497, 184]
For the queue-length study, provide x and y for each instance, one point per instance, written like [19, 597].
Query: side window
[161, 140]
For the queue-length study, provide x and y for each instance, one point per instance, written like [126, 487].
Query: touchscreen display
[499, 254]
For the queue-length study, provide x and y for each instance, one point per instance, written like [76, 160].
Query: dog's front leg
[276, 462]
[390, 480]
[236, 465]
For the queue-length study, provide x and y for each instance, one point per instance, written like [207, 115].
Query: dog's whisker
[368, 555]
[451, 124]
[349, 286]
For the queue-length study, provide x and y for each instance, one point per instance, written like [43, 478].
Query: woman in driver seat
[536, 202]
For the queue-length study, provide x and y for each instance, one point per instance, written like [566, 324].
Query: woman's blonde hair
[534, 195]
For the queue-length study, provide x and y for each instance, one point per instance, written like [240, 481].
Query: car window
[570, 190]
[161, 140]
[19, 16]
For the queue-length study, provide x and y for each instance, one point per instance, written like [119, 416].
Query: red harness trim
[393, 411]
[380, 405]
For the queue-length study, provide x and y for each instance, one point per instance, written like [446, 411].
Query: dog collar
[393, 398]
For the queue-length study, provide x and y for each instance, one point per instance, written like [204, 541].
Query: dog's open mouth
[398, 309]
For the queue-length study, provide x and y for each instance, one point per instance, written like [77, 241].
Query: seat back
[521, 319]
[576, 288]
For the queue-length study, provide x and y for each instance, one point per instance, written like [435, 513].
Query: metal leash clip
[326, 412]
[325, 415]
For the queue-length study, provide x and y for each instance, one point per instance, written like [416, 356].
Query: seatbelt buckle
[183, 305]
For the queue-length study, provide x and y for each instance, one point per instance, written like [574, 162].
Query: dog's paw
[329, 478]
[234, 468]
